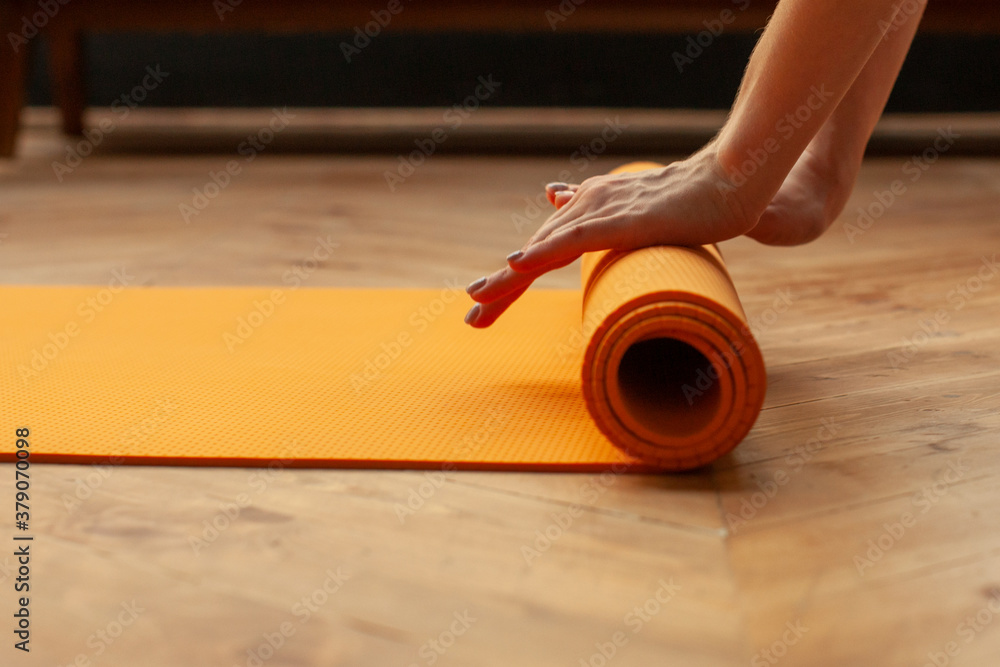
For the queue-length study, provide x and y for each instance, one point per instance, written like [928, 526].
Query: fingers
[566, 244]
[507, 281]
[562, 198]
[552, 189]
[503, 282]
[496, 293]
[566, 235]
[569, 207]
[559, 194]
[483, 315]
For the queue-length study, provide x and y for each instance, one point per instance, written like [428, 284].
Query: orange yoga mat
[379, 378]
[671, 372]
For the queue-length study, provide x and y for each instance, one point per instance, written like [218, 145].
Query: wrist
[740, 193]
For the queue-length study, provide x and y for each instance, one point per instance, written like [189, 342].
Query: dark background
[944, 73]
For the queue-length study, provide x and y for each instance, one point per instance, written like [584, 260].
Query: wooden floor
[858, 524]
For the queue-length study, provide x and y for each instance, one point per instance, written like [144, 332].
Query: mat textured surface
[334, 377]
[317, 377]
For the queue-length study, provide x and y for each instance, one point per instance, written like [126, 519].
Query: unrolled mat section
[374, 378]
[306, 377]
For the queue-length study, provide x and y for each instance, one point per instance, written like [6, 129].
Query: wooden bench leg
[68, 89]
[13, 56]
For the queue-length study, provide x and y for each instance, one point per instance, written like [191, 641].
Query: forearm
[849, 127]
[802, 68]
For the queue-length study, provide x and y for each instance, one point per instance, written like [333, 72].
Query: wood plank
[493, 130]
[226, 589]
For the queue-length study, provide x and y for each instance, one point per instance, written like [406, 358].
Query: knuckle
[577, 233]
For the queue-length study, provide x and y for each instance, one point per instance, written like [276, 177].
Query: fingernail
[564, 195]
[472, 315]
[556, 187]
[514, 256]
[476, 284]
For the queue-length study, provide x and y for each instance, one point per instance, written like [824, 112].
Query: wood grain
[848, 448]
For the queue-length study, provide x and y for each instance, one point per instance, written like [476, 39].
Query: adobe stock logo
[562, 12]
[914, 168]
[452, 119]
[363, 35]
[784, 129]
[921, 503]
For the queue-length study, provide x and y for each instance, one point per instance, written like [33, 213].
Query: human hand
[813, 193]
[688, 202]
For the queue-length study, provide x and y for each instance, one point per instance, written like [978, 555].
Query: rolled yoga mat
[385, 378]
[671, 373]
